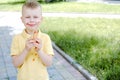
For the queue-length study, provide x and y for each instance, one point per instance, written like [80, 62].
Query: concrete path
[10, 24]
[88, 15]
[64, 14]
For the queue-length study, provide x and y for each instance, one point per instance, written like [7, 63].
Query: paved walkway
[60, 70]
[116, 2]
[67, 14]
[88, 15]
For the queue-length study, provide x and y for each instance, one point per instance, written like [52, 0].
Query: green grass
[63, 7]
[11, 5]
[11, 1]
[94, 43]
[81, 7]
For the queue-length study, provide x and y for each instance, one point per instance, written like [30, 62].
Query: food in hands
[34, 37]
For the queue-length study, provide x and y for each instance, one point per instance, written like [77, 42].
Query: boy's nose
[31, 19]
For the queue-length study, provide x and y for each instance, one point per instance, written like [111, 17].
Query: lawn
[92, 42]
[13, 5]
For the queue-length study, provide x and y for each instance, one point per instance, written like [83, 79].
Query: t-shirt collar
[26, 35]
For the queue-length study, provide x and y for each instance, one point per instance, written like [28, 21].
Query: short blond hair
[31, 4]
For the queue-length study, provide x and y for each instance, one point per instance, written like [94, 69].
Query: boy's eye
[27, 17]
[35, 17]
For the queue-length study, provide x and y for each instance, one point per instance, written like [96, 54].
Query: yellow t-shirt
[32, 68]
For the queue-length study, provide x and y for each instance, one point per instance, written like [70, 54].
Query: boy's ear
[21, 18]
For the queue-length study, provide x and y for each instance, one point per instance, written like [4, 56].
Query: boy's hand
[37, 44]
[29, 44]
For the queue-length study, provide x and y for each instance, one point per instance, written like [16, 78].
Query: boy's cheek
[38, 21]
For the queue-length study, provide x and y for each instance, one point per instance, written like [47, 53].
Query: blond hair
[31, 4]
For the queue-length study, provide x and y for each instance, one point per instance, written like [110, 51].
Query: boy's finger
[38, 40]
[31, 41]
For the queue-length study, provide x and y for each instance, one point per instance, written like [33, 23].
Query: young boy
[31, 50]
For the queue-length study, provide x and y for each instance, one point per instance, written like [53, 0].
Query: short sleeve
[48, 46]
[14, 46]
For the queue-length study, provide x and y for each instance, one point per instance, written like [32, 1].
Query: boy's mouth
[31, 25]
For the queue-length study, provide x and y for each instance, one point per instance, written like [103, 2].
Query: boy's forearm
[18, 60]
[46, 59]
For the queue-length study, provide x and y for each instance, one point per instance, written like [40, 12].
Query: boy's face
[31, 18]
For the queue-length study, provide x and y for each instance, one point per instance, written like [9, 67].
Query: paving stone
[53, 74]
[3, 78]
[3, 73]
[11, 71]
[13, 78]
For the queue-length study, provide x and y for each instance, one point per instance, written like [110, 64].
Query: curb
[85, 73]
